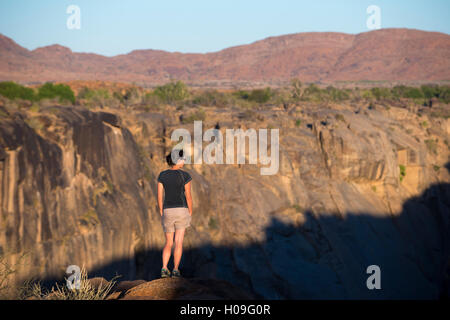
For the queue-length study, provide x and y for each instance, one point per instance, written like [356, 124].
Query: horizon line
[211, 52]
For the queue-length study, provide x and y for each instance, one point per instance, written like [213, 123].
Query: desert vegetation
[86, 289]
[177, 93]
[62, 92]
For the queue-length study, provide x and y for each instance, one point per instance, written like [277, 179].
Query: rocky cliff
[357, 186]
[70, 190]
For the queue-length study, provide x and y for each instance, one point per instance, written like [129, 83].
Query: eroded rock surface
[186, 289]
[79, 187]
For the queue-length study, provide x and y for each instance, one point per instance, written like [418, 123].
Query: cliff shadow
[325, 257]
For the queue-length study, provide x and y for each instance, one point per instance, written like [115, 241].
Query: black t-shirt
[174, 188]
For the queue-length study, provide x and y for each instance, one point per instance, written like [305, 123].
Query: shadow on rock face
[326, 257]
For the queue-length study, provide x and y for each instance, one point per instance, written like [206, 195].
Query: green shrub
[312, 93]
[312, 89]
[99, 97]
[211, 97]
[413, 93]
[260, 95]
[444, 94]
[242, 94]
[151, 101]
[402, 172]
[61, 91]
[330, 93]
[91, 94]
[256, 95]
[298, 122]
[333, 94]
[399, 91]
[172, 92]
[296, 89]
[367, 94]
[381, 93]
[12, 90]
[430, 91]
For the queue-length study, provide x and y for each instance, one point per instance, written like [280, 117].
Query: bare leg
[167, 249]
[178, 251]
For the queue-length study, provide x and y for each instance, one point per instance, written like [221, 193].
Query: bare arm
[160, 197]
[187, 192]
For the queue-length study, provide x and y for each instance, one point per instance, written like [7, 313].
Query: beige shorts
[175, 218]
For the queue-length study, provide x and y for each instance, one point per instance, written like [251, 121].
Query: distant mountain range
[387, 54]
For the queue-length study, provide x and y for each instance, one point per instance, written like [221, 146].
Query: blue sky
[111, 27]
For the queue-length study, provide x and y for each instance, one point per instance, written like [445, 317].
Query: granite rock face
[79, 187]
[72, 195]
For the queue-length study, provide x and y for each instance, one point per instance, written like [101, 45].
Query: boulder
[186, 289]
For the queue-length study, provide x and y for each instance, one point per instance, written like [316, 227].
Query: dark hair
[177, 153]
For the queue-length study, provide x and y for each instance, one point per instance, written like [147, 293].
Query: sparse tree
[296, 89]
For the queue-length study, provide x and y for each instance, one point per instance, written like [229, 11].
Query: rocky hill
[386, 55]
[357, 186]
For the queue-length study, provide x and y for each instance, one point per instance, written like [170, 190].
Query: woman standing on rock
[176, 210]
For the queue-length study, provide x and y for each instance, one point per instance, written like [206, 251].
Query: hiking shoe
[176, 274]
[165, 273]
